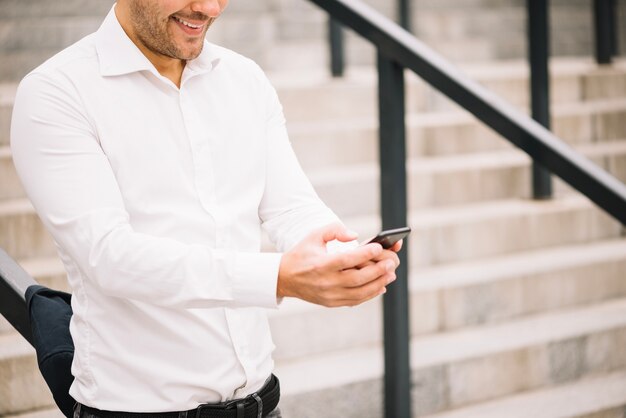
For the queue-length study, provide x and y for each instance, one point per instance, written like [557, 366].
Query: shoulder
[236, 64]
[79, 58]
[58, 74]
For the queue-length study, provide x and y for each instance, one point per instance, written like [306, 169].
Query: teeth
[187, 23]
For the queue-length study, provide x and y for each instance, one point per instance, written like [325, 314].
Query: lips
[188, 27]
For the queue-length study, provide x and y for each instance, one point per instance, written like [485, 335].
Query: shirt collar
[118, 55]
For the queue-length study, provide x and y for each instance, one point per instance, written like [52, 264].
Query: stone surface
[44, 413]
[21, 384]
[473, 365]
[596, 397]
[21, 233]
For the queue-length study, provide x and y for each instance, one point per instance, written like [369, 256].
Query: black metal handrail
[13, 284]
[604, 23]
[543, 146]
[397, 49]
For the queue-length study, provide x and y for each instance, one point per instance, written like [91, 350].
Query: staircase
[518, 307]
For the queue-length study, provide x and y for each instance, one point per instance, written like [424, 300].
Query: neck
[171, 68]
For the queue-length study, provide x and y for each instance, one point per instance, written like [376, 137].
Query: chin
[190, 53]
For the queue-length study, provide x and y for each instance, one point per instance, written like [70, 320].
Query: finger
[354, 278]
[353, 258]
[388, 255]
[337, 231]
[367, 263]
[397, 246]
[369, 291]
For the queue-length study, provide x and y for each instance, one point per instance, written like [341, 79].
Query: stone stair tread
[473, 212]
[7, 93]
[448, 162]
[495, 268]
[582, 398]
[42, 413]
[488, 70]
[12, 206]
[13, 345]
[366, 363]
[519, 264]
[453, 116]
[42, 266]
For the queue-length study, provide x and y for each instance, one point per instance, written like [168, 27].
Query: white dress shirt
[155, 197]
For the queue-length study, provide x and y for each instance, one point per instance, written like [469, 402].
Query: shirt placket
[241, 345]
[205, 182]
[204, 171]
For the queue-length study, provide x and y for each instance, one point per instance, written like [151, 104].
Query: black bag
[50, 312]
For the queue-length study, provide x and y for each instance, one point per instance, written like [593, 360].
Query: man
[154, 158]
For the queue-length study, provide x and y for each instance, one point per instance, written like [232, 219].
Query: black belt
[257, 405]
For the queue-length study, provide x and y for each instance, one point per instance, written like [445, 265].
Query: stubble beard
[153, 31]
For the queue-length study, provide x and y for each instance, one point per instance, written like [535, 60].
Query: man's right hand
[308, 272]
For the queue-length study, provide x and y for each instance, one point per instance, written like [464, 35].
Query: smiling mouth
[187, 24]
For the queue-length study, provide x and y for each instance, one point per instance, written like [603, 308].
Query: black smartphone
[389, 237]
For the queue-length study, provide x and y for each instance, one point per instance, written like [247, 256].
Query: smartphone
[389, 237]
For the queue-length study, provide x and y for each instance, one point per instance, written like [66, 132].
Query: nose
[211, 8]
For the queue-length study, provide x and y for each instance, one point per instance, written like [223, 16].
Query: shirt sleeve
[69, 180]
[290, 208]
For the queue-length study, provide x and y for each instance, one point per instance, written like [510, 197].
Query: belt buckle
[220, 406]
[237, 402]
[224, 405]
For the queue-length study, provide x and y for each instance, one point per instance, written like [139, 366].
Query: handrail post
[335, 36]
[392, 155]
[404, 14]
[604, 31]
[538, 52]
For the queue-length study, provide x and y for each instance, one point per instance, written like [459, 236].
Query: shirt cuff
[255, 278]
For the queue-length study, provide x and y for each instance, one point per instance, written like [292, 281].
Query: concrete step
[602, 396]
[455, 369]
[44, 32]
[11, 187]
[23, 388]
[355, 94]
[22, 234]
[42, 413]
[353, 190]
[7, 96]
[481, 230]
[266, 32]
[462, 294]
[355, 140]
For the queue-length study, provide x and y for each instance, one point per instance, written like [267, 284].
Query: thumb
[337, 232]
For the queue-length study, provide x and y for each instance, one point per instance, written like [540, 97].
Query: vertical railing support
[392, 151]
[404, 14]
[335, 35]
[603, 22]
[538, 52]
